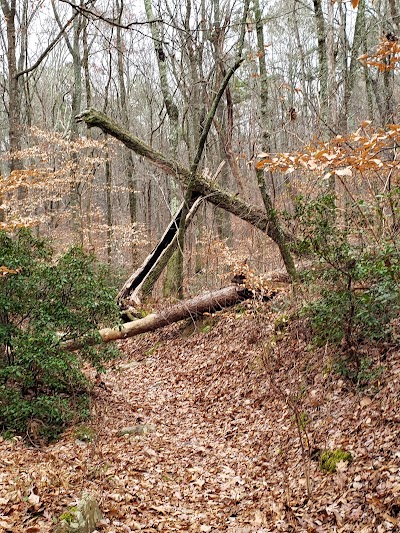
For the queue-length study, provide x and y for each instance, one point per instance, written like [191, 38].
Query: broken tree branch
[200, 184]
[156, 261]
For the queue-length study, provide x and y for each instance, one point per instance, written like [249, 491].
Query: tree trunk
[350, 73]
[108, 167]
[129, 163]
[394, 13]
[174, 236]
[274, 226]
[76, 105]
[200, 184]
[224, 115]
[10, 15]
[205, 303]
[173, 282]
[322, 59]
[144, 278]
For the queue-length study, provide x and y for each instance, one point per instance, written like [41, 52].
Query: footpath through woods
[214, 444]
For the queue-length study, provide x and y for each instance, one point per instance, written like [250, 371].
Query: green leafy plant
[85, 433]
[69, 516]
[360, 370]
[44, 303]
[302, 420]
[357, 285]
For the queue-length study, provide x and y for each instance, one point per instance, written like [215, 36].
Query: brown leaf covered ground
[226, 454]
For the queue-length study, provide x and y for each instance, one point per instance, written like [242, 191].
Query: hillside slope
[217, 404]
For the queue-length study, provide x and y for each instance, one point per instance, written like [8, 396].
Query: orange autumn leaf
[4, 271]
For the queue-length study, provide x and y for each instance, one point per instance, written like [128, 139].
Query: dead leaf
[390, 519]
[160, 509]
[365, 402]
[342, 466]
[258, 518]
[344, 172]
[150, 453]
[33, 498]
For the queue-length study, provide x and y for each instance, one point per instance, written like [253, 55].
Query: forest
[199, 266]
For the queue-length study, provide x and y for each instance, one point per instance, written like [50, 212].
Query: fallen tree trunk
[129, 293]
[205, 303]
[197, 185]
[198, 182]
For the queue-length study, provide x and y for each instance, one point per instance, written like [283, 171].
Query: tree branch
[48, 49]
[88, 13]
[205, 187]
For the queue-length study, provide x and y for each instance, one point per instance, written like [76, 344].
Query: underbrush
[351, 288]
[44, 302]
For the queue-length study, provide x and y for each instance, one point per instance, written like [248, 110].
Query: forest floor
[223, 453]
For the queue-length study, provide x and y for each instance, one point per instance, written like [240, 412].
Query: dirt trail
[222, 452]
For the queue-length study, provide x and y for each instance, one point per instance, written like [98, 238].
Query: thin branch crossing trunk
[200, 184]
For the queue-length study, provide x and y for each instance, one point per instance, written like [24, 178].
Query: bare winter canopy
[181, 100]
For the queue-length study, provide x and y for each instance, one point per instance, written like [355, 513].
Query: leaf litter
[230, 410]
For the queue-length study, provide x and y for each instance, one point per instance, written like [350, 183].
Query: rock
[139, 429]
[82, 518]
[127, 366]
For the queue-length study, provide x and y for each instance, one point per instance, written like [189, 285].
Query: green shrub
[357, 285]
[361, 303]
[47, 302]
[360, 370]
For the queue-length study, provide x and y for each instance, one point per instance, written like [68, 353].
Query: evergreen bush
[356, 282]
[43, 302]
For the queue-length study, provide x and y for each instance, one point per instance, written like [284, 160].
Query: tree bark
[275, 228]
[147, 274]
[129, 162]
[173, 283]
[205, 303]
[322, 58]
[350, 73]
[200, 184]
[108, 167]
[10, 15]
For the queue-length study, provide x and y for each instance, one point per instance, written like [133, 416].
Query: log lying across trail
[205, 303]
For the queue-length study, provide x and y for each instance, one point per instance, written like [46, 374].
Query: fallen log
[205, 303]
[199, 185]
[198, 182]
